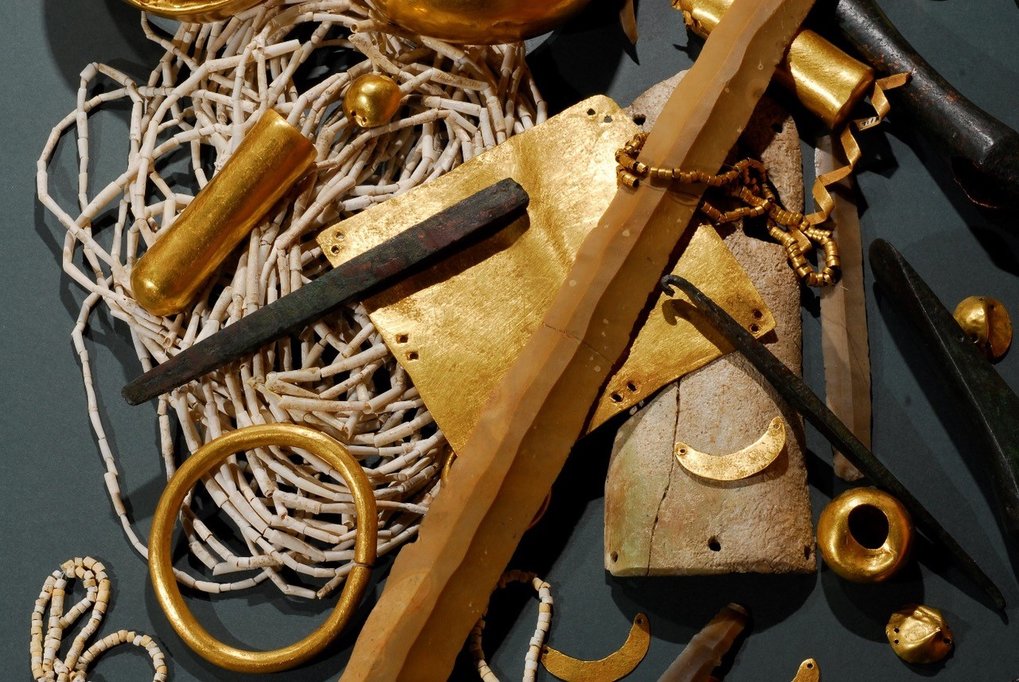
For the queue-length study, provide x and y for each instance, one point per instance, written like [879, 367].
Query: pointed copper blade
[491, 208]
[802, 399]
[990, 404]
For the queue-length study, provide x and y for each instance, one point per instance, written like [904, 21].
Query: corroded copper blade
[990, 404]
[491, 208]
[802, 399]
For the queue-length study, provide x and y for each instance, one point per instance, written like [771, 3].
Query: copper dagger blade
[489, 209]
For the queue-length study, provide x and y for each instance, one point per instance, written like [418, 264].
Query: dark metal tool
[991, 406]
[799, 396]
[983, 151]
[489, 209]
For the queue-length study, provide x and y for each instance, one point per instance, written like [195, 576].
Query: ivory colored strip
[844, 341]
[440, 584]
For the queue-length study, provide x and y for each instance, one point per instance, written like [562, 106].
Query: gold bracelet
[206, 460]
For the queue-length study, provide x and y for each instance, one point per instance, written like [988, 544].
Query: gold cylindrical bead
[826, 80]
[272, 157]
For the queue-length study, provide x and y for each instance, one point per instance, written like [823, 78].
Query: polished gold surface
[372, 100]
[204, 461]
[479, 21]
[195, 10]
[986, 321]
[864, 535]
[458, 327]
[826, 80]
[808, 671]
[919, 634]
[738, 465]
[615, 666]
[272, 157]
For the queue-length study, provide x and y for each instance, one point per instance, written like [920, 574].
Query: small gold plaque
[458, 326]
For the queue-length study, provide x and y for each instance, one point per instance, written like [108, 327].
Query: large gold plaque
[458, 326]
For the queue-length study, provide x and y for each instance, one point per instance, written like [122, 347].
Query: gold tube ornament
[204, 461]
[273, 156]
[198, 11]
[865, 535]
[827, 81]
[479, 22]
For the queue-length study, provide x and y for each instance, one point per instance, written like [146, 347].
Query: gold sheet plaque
[457, 327]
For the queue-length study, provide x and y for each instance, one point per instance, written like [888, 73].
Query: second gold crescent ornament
[615, 666]
[738, 465]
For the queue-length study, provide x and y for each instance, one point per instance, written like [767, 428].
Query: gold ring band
[205, 460]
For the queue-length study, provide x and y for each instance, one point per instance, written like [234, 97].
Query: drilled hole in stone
[806, 551]
[639, 119]
[607, 119]
[334, 249]
[714, 545]
[868, 525]
[614, 556]
[591, 112]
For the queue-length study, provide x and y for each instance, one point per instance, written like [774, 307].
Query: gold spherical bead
[372, 100]
[479, 22]
[919, 634]
[864, 535]
[987, 323]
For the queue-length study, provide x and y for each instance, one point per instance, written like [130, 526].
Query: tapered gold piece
[271, 158]
[204, 461]
[864, 535]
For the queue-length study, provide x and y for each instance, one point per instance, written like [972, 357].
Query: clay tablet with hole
[662, 520]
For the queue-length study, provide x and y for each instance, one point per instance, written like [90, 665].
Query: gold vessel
[271, 158]
[479, 22]
[864, 535]
[194, 10]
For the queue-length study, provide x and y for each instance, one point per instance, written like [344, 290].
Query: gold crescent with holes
[738, 465]
[613, 667]
[808, 672]
[205, 460]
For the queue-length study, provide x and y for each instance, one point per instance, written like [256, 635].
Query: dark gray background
[55, 506]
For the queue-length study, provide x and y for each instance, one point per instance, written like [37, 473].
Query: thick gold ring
[865, 535]
[205, 460]
[194, 10]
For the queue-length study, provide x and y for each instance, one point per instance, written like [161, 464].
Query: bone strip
[439, 584]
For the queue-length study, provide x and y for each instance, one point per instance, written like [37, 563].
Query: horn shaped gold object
[808, 672]
[613, 667]
[738, 465]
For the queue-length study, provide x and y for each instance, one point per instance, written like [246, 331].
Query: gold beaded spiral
[747, 182]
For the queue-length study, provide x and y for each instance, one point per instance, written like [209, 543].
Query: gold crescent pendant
[734, 466]
[613, 667]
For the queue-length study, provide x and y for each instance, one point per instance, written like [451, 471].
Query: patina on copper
[983, 151]
[802, 399]
[980, 393]
[489, 209]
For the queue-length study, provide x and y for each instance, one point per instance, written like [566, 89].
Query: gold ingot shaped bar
[479, 22]
[457, 327]
[826, 80]
[865, 535]
[272, 157]
[199, 11]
